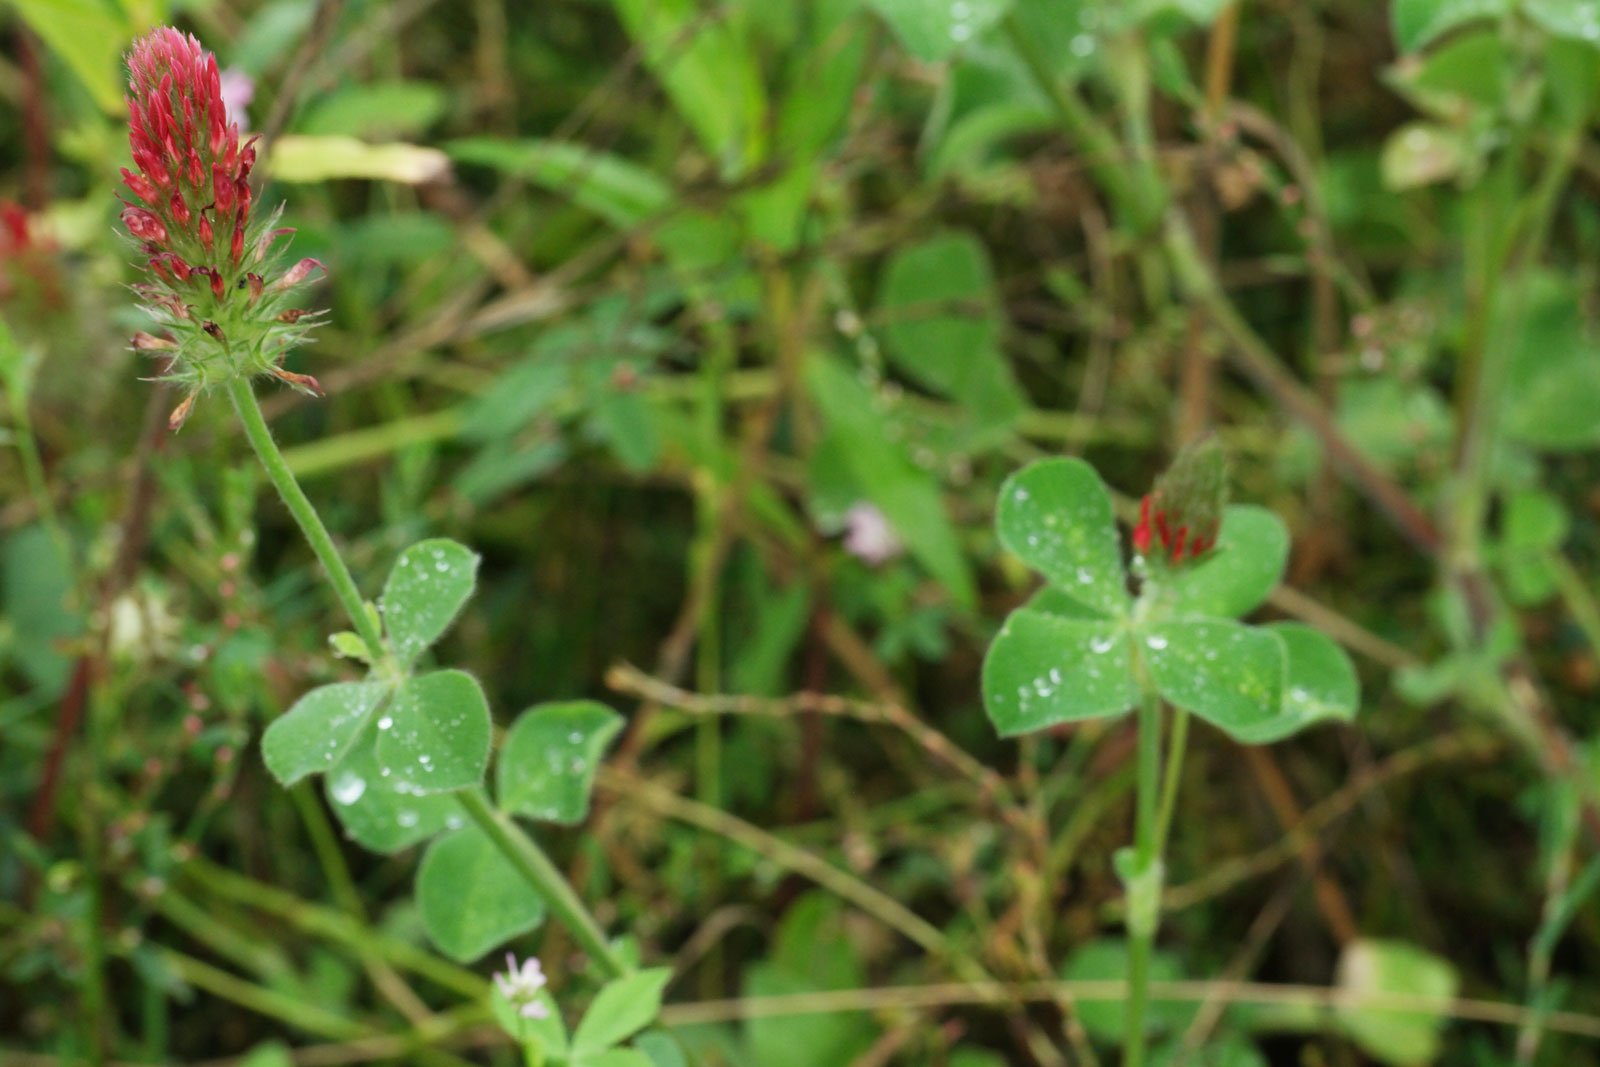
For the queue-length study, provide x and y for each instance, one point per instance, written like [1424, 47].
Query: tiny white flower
[868, 535]
[521, 985]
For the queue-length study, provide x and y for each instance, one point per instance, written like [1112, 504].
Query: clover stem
[519, 849]
[305, 514]
[1171, 777]
[1143, 910]
[537, 870]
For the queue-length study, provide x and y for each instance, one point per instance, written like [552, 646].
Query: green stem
[536, 868]
[305, 514]
[1171, 777]
[1147, 861]
[540, 874]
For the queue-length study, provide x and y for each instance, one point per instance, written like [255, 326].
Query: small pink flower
[868, 535]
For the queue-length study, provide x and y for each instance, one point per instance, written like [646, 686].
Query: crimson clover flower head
[214, 288]
[1183, 513]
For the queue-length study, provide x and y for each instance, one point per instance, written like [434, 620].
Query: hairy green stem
[305, 514]
[536, 868]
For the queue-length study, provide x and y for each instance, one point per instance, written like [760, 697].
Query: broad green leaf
[1375, 970]
[471, 898]
[1559, 408]
[1416, 22]
[1106, 960]
[1055, 515]
[379, 812]
[1225, 1049]
[616, 1057]
[942, 322]
[661, 1048]
[377, 110]
[621, 1009]
[434, 735]
[37, 602]
[305, 158]
[859, 440]
[1320, 683]
[1236, 576]
[794, 965]
[549, 757]
[617, 189]
[709, 72]
[1229, 674]
[1577, 20]
[1552, 389]
[1046, 669]
[933, 30]
[1534, 527]
[319, 731]
[89, 37]
[427, 587]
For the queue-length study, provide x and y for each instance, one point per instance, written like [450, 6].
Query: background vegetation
[659, 305]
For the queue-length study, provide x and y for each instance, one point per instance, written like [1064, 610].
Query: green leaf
[304, 158]
[319, 731]
[377, 110]
[434, 736]
[1229, 674]
[617, 189]
[1558, 410]
[550, 1031]
[427, 587]
[933, 30]
[1382, 969]
[377, 811]
[909, 497]
[1416, 22]
[710, 74]
[549, 757]
[1055, 515]
[36, 598]
[1226, 1049]
[1576, 20]
[616, 1057]
[471, 898]
[661, 1048]
[1235, 577]
[621, 1009]
[89, 37]
[1320, 683]
[942, 322]
[1106, 960]
[1045, 669]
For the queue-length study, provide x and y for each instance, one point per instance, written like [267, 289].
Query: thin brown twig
[625, 678]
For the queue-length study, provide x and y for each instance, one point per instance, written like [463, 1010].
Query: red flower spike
[181, 141]
[1183, 513]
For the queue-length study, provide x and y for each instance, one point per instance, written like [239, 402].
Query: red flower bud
[144, 342]
[143, 225]
[298, 273]
[206, 236]
[139, 185]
